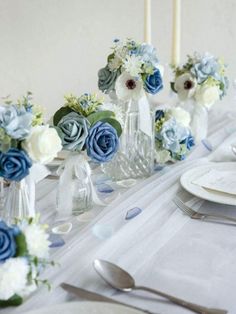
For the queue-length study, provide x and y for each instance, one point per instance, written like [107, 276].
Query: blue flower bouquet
[24, 252]
[173, 136]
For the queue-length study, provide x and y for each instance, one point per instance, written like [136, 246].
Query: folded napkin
[224, 152]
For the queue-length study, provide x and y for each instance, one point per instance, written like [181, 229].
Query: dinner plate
[85, 307]
[203, 193]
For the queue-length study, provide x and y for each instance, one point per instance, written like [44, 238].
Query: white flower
[162, 156]
[116, 109]
[133, 65]
[43, 144]
[182, 116]
[185, 85]
[207, 95]
[115, 63]
[128, 87]
[13, 277]
[36, 240]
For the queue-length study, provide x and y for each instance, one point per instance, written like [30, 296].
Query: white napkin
[223, 152]
[220, 181]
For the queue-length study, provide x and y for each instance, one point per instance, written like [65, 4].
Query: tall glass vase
[135, 158]
[17, 202]
[199, 122]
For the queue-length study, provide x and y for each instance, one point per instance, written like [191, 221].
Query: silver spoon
[123, 281]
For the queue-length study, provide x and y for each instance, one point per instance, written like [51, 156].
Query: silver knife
[92, 296]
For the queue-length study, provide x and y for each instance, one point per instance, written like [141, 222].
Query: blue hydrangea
[16, 121]
[148, 54]
[207, 66]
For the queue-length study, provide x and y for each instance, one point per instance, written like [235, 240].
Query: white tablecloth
[161, 247]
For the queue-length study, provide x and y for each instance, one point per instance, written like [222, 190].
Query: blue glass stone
[56, 240]
[105, 188]
[133, 212]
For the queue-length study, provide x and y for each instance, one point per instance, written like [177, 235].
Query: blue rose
[102, 142]
[14, 164]
[7, 242]
[107, 79]
[153, 83]
[172, 134]
[16, 121]
[73, 131]
[159, 115]
[189, 142]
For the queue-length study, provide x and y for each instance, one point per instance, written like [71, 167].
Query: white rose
[207, 95]
[185, 86]
[43, 144]
[182, 116]
[13, 277]
[162, 156]
[36, 240]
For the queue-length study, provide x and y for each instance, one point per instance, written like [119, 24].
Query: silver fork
[197, 215]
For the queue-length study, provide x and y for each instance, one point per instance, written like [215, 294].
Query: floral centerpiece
[174, 140]
[24, 252]
[132, 72]
[131, 69]
[23, 141]
[201, 81]
[87, 128]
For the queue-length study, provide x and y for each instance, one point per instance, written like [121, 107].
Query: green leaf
[13, 301]
[172, 85]
[99, 115]
[116, 125]
[21, 245]
[60, 114]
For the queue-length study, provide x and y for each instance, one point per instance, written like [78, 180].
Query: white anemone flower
[128, 87]
[133, 65]
[185, 86]
[13, 277]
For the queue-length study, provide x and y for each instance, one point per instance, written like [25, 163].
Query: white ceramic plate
[203, 193]
[85, 307]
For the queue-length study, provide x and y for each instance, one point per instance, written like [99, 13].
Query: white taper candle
[175, 58]
[147, 21]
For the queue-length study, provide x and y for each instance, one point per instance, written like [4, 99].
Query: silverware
[123, 281]
[197, 215]
[92, 296]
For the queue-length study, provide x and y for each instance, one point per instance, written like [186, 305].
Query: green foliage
[21, 245]
[99, 115]
[15, 300]
[172, 86]
[60, 114]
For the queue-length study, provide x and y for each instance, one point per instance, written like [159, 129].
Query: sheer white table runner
[161, 247]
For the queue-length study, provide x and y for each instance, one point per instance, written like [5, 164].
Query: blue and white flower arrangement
[24, 253]
[173, 136]
[84, 124]
[202, 79]
[132, 69]
[24, 139]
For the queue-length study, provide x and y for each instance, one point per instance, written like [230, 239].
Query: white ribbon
[145, 116]
[76, 165]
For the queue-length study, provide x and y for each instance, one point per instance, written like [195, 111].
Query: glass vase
[17, 202]
[75, 190]
[135, 158]
[199, 122]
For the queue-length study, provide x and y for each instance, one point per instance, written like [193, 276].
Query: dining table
[161, 246]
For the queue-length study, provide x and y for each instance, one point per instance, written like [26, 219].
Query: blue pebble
[133, 212]
[105, 188]
[56, 240]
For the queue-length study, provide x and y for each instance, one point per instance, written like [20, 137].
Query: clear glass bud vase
[74, 194]
[135, 158]
[17, 202]
[199, 122]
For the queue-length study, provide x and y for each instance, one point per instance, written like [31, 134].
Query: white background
[53, 47]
